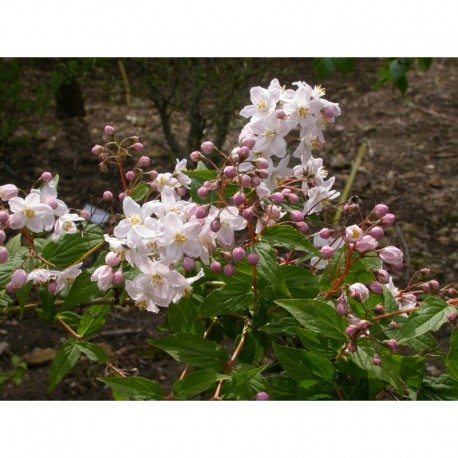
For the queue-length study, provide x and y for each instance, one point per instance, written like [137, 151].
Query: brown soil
[411, 164]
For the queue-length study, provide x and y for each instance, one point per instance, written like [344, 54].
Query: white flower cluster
[274, 113]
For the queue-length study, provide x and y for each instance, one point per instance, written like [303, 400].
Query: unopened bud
[392, 344]
[376, 361]
[280, 114]
[262, 396]
[277, 198]
[230, 270]
[327, 252]
[352, 330]
[202, 212]
[245, 181]
[4, 216]
[203, 193]
[144, 161]
[253, 259]
[342, 309]
[244, 152]
[3, 255]
[85, 214]
[2, 237]
[112, 259]
[261, 163]
[215, 266]
[302, 227]
[188, 264]
[375, 287]
[380, 210]
[452, 317]
[238, 254]
[118, 278]
[107, 195]
[352, 348]
[130, 175]
[215, 225]
[379, 309]
[109, 131]
[230, 171]
[97, 149]
[377, 232]
[388, 220]
[19, 278]
[393, 325]
[248, 213]
[239, 198]
[434, 284]
[137, 147]
[207, 147]
[249, 142]
[195, 156]
[293, 199]
[46, 177]
[325, 233]
[296, 216]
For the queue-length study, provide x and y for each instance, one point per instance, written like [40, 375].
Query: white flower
[278, 173]
[230, 221]
[319, 197]
[66, 224]
[67, 276]
[31, 213]
[181, 177]
[103, 276]
[354, 233]
[404, 300]
[263, 101]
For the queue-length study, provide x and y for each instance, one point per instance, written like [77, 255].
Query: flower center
[156, 280]
[270, 134]
[180, 238]
[67, 226]
[262, 105]
[29, 213]
[135, 220]
[303, 112]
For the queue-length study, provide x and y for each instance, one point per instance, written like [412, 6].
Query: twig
[122, 69]
[68, 328]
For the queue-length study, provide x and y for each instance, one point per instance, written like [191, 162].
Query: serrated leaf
[135, 388]
[193, 350]
[66, 358]
[14, 245]
[286, 326]
[83, 290]
[139, 192]
[71, 247]
[93, 352]
[196, 383]
[452, 357]
[93, 320]
[228, 299]
[301, 282]
[244, 374]
[296, 361]
[269, 271]
[71, 318]
[283, 388]
[442, 388]
[316, 316]
[290, 238]
[184, 317]
[431, 316]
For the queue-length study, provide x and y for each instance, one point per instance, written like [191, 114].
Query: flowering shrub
[267, 296]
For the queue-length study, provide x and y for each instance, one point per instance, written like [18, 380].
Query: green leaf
[193, 350]
[93, 352]
[71, 247]
[83, 290]
[139, 192]
[442, 388]
[316, 316]
[289, 238]
[13, 263]
[14, 245]
[22, 295]
[184, 317]
[301, 282]
[319, 344]
[71, 318]
[229, 299]
[286, 326]
[197, 383]
[425, 343]
[431, 316]
[244, 373]
[283, 388]
[93, 320]
[297, 363]
[269, 271]
[452, 357]
[65, 359]
[135, 388]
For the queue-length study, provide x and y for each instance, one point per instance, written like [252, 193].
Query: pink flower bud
[188, 264]
[107, 195]
[46, 177]
[391, 255]
[392, 344]
[352, 348]
[52, 202]
[244, 152]
[280, 114]
[2, 237]
[118, 278]
[4, 217]
[112, 259]
[352, 330]
[130, 175]
[85, 214]
[215, 225]
[253, 259]
[152, 174]
[376, 361]
[262, 396]
[302, 227]
[109, 131]
[249, 142]
[364, 324]
[366, 244]
[327, 252]
[215, 266]
[394, 325]
[388, 220]
[202, 212]
[239, 198]
[255, 181]
[277, 198]
[296, 216]
[380, 210]
[383, 276]
[452, 318]
[234, 158]
[342, 308]
[203, 193]
[375, 287]
[425, 287]
[19, 278]
[97, 149]
[248, 214]
[230, 171]
[293, 199]
[325, 233]
[245, 181]
[8, 191]
[359, 292]
[137, 147]
[379, 309]
[434, 284]
[52, 288]
[377, 232]
[144, 161]
[195, 156]
[3, 255]
[207, 147]
[122, 196]
[227, 256]
[238, 254]
[10, 289]
[263, 174]
[261, 163]
[230, 270]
